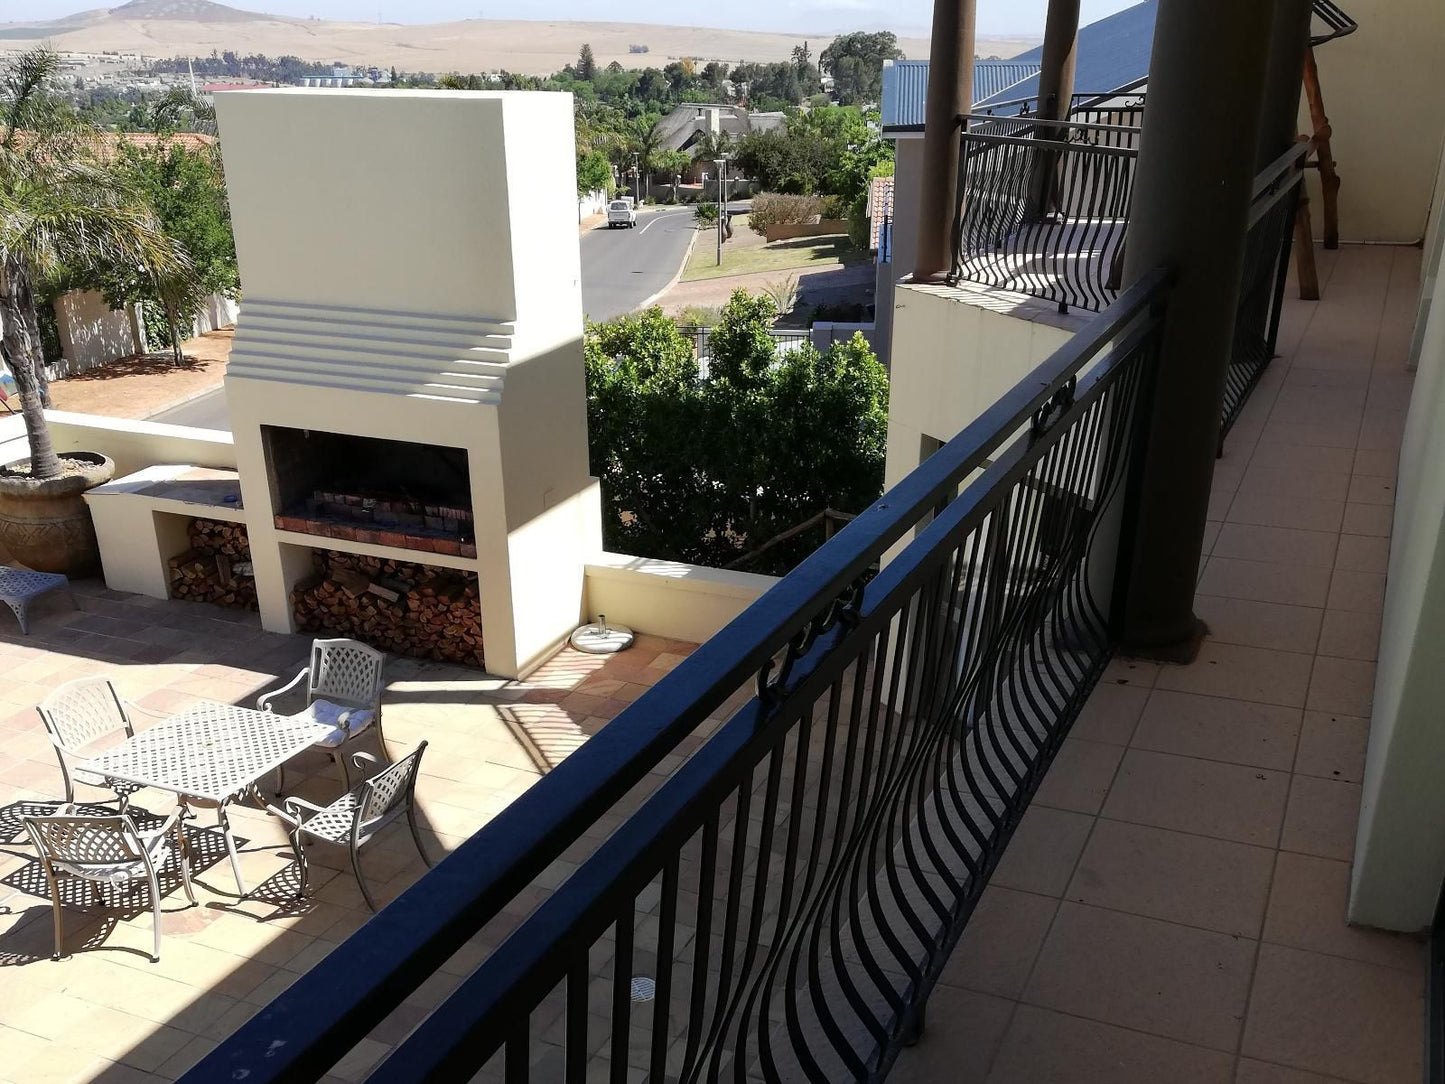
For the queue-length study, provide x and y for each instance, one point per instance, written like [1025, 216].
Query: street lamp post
[722, 204]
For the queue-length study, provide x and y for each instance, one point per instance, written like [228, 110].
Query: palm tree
[61, 207]
[710, 146]
[644, 140]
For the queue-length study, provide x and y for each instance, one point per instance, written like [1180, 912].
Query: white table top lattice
[210, 751]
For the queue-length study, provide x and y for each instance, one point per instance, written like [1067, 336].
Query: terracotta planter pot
[45, 525]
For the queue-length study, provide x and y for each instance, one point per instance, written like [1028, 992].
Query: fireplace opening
[395, 493]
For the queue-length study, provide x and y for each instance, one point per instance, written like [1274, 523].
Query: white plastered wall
[1386, 105]
[1400, 846]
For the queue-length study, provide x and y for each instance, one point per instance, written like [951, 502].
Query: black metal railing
[1043, 206]
[782, 904]
[1125, 104]
[1267, 250]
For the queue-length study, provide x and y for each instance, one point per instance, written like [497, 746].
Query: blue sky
[817, 16]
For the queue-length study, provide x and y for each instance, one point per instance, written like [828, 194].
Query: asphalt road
[620, 270]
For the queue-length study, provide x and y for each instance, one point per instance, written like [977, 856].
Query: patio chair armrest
[361, 760]
[266, 699]
[293, 807]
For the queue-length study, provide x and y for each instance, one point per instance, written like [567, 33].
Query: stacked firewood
[217, 567]
[397, 606]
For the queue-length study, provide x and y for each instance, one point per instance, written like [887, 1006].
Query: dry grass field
[164, 28]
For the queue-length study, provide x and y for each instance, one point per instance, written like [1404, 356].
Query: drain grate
[643, 988]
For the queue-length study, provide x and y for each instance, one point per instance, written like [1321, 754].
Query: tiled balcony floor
[1172, 908]
[105, 1012]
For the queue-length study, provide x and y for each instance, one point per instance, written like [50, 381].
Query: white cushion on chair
[328, 714]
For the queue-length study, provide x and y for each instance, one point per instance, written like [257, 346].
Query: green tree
[60, 207]
[706, 468]
[855, 61]
[184, 187]
[594, 173]
[586, 64]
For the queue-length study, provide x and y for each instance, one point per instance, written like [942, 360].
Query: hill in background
[166, 28]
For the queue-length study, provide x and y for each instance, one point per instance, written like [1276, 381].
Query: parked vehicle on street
[621, 212]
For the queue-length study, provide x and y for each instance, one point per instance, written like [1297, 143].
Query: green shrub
[706, 214]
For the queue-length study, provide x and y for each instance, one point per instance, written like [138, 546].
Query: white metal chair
[108, 851]
[77, 715]
[343, 691]
[354, 818]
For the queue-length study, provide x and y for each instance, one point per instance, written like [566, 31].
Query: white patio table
[211, 751]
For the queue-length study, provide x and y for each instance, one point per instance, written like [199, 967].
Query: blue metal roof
[1113, 53]
[905, 87]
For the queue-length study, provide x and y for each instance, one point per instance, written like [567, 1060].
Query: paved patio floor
[1173, 906]
[105, 1012]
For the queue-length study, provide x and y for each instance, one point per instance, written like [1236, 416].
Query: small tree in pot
[61, 207]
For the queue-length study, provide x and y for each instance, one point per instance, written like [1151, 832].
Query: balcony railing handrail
[1268, 241]
[1040, 143]
[330, 1008]
[1043, 122]
[488, 1012]
[1079, 99]
[1268, 181]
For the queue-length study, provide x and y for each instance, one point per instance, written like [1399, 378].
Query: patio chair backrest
[81, 842]
[389, 789]
[81, 711]
[346, 672]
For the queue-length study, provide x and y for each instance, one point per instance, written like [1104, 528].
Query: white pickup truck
[620, 212]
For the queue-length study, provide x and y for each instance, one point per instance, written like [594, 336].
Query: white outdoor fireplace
[407, 380]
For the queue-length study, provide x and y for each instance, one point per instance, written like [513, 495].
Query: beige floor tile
[1343, 685]
[1363, 553]
[1349, 635]
[1335, 1016]
[1126, 671]
[1321, 818]
[1217, 728]
[1080, 776]
[1284, 510]
[1261, 581]
[1044, 1047]
[1288, 458]
[1267, 477]
[1043, 851]
[962, 1033]
[1000, 943]
[1372, 489]
[1280, 545]
[1256, 674]
[1259, 624]
[1367, 519]
[1262, 1072]
[1111, 714]
[1376, 463]
[1333, 746]
[1210, 883]
[1144, 974]
[1307, 911]
[1359, 592]
[1225, 801]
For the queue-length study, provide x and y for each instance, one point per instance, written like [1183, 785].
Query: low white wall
[135, 445]
[665, 598]
[216, 312]
[955, 350]
[593, 203]
[92, 333]
[827, 332]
